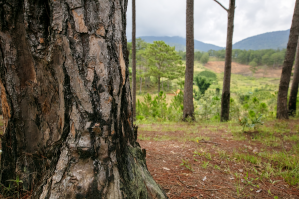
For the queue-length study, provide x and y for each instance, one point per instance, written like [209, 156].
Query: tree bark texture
[67, 103]
[188, 88]
[134, 56]
[225, 101]
[282, 100]
[294, 88]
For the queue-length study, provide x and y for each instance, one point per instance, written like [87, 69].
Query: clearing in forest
[218, 67]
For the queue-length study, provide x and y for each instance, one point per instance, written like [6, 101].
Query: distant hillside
[270, 40]
[180, 43]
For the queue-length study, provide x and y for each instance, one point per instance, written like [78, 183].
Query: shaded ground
[218, 67]
[214, 161]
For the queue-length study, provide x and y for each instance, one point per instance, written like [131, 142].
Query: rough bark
[225, 100]
[188, 88]
[134, 56]
[282, 108]
[294, 88]
[66, 98]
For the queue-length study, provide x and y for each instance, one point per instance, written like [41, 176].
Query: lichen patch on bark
[105, 105]
[78, 15]
[122, 63]
[101, 31]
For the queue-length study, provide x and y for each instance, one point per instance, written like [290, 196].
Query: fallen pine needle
[188, 186]
[204, 141]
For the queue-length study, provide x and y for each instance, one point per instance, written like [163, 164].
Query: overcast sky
[168, 18]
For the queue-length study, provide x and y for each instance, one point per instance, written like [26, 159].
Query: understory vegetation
[252, 100]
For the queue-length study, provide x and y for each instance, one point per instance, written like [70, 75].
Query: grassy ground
[261, 163]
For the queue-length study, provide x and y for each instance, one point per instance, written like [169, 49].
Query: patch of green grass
[291, 176]
[223, 154]
[205, 164]
[143, 137]
[294, 138]
[247, 157]
[187, 164]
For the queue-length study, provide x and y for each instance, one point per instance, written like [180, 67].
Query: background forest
[251, 97]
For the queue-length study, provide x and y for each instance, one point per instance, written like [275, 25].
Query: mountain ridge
[180, 43]
[269, 40]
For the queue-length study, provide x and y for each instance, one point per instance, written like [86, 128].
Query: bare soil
[164, 158]
[218, 67]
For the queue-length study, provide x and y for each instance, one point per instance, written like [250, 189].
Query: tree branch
[221, 5]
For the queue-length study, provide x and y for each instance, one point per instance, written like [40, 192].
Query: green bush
[204, 58]
[203, 84]
[208, 74]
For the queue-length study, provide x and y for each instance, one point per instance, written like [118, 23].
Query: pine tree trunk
[282, 108]
[188, 88]
[294, 88]
[134, 57]
[67, 103]
[225, 101]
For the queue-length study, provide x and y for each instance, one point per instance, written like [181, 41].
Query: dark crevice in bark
[9, 154]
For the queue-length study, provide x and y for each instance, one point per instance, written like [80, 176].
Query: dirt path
[212, 171]
[218, 67]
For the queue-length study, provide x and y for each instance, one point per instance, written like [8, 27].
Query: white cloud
[168, 18]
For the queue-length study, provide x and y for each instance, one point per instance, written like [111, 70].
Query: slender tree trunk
[66, 98]
[282, 107]
[134, 56]
[159, 82]
[140, 85]
[225, 101]
[294, 88]
[162, 85]
[188, 88]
